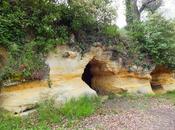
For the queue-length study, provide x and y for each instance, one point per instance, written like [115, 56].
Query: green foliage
[84, 107]
[159, 40]
[29, 29]
[23, 63]
[8, 122]
[73, 109]
[47, 112]
[132, 12]
[170, 95]
[111, 31]
[155, 39]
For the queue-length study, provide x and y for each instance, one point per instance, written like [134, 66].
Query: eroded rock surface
[65, 82]
[73, 75]
[163, 79]
[112, 77]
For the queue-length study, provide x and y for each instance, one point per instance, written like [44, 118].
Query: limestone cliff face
[66, 68]
[107, 79]
[109, 76]
[73, 75]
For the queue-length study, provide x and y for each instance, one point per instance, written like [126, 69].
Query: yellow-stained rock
[163, 77]
[65, 78]
[110, 78]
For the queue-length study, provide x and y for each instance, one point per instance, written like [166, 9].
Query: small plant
[48, 113]
[111, 31]
[8, 121]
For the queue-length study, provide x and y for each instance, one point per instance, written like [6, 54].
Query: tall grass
[80, 108]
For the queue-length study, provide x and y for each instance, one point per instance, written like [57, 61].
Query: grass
[47, 115]
[83, 108]
[8, 121]
[169, 95]
[68, 115]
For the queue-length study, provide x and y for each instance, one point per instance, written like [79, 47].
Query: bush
[111, 31]
[159, 40]
[24, 64]
[155, 39]
[30, 29]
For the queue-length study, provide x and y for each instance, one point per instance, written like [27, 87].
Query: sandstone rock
[69, 54]
[163, 78]
[72, 76]
[18, 99]
[66, 83]
[108, 77]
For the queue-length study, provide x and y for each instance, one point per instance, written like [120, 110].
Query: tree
[133, 12]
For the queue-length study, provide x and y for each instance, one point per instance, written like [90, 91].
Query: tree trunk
[132, 11]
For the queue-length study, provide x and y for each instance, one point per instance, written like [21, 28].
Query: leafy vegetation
[155, 39]
[29, 29]
[47, 115]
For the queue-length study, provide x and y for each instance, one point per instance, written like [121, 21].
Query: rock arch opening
[92, 69]
[98, 75]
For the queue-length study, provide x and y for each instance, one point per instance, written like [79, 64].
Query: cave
[156, 86]
[92, 69]
[87, 75]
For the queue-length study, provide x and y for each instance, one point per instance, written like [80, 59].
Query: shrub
[111, 31]
[155, 39]
[159, 40]
[30, 29]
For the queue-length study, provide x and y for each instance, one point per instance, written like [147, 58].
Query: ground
[132, 113]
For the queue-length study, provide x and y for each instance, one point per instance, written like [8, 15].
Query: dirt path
[139, 113]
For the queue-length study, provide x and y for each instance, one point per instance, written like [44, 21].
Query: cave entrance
[92, 69]
[87, 75]
[155, 82]
[156, 86]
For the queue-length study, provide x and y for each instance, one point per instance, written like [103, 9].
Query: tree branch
[145, 5]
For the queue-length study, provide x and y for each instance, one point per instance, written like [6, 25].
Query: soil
[135, 113]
